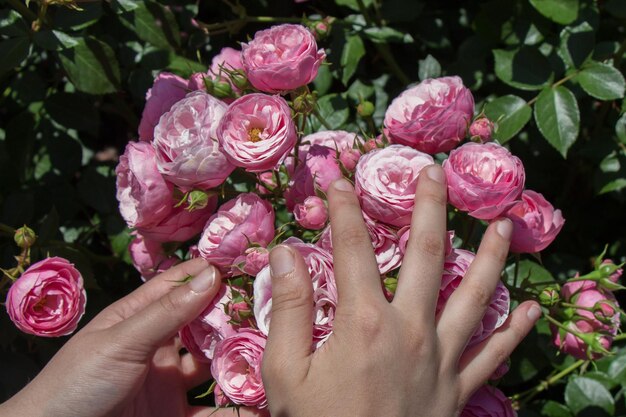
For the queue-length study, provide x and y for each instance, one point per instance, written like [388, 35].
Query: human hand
[391, 359]
[126, 361]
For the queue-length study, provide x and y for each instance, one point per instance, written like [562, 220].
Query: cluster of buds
[239, 308]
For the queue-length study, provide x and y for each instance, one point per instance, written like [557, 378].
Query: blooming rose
[312, 214]
[482, 129]
[48, 299]
[488, 401]
[236, 367]
[385, 182]
[455, 267]
[181, 224]
[148, 256]
[257, 132]
[187, 151]
[483, 179]
[281, 58]
[144, 195]
[166, 90]
[535, 223]
[431, 117]
[237, 223]
[251, 262]
[320, 265]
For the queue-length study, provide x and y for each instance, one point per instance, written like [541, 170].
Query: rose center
[255, 135]
[40, 304]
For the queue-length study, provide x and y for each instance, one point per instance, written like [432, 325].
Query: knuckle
[478, 294]
[370, 323]
[351, 236]
[169, 303]
[430, 243]
[436, 194]
[500, 355]
[291, 298]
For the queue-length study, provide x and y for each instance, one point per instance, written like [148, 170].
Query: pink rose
[312, 214]
[385, 182]
[455, 267]
[488, 401]
[185, 141]
[251, 262]
[148, 256]
[576, 347]
[236, 368]
[431, 117]
[166, 90]
[535, 223]
[48, 299]
[482, 129]
[281, 58]
[180, 225]
[349, 158]
[201, 335]
[145, 196]
[228, 59]
[237, 223]
[257, 132]
[483, 179]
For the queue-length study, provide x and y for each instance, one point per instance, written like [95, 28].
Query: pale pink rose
[257, 132]
[455, 267]
[180, 225]
[148, 256]
[312, 213]
[281, 58]
[238, 223]
[236, 367]
[201, 335]
[320, 265]
[482, 129]
[166, 90]
[403, 235]
[187, 150]
[251, 262]
[48, 299]
[145, 197]
[385, 182]
[431, 117]
[488, 401]
[484, 180]
[535, 223]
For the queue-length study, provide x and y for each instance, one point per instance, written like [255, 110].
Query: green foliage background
[550, 72]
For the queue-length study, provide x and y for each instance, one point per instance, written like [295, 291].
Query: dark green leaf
[559, 11]
[554, 409]
[13, 52]
[70, 19]
[54, 40]
[387, 35]
[510, 113]
[49, 227]
[602, 378]
[359, 91]
[558, 117]
[324, 80]
[584, 393]
[524, 68]
[352, 53]
[620, 128]
[334, 109]
[12, 24]
[154, 23]
[577, 44]
[614, 185]
[429, 67]
[602, 81]
[528, 271]
[183, 66]
[73, 110]
[91, 66]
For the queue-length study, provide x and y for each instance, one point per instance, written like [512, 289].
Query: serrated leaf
[91, 66]
[584, 393]
[558, 118]
[353, 51]
[429, 67]
[559, 11]
[577, 44]
[524, 68]
[13, 52]
[602, 81]
[511, 113]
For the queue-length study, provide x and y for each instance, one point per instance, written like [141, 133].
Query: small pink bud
[312, 214]
[349, 158]
[482, 129]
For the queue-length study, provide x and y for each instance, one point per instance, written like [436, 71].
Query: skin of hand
[126, 361]
[387, 359]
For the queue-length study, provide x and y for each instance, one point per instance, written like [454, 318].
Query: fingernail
[203, 281]
[435, 173]
[342, 185]
[505, 228]
[534, 312]
[281, 261]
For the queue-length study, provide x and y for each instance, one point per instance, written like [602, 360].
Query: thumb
[290, 337]
[159, 321]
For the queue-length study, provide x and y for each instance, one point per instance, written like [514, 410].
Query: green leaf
[577, 44]
[91, 66]
[617, 368]
[387, 35]
[554, 409]
[359, 91]
[154, 23]
[584, 393]
[559, 11]
[121, 6]
[524, 68]
[324, 80]
[54, 40]
[70, 19]
[429, 67]
[12, 24]
[614, 185]
[334, 109]
[620, 128]
[510, 113]
[602, 81]
[528, 271]
[352, 53]
[558, 117]
[13, 52]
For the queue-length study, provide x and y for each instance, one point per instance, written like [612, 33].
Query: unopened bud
[222, 89]
[25, 237]
[389, 287]
[239, 80]
[366, 109]
[549, 296]
[481, 130]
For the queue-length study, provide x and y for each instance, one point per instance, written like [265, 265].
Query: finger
[161, 320]
[466, 307]
[194, 372]
[227, 412]
[420, 275]
[355, 266]
[288, 348]
[479, 362]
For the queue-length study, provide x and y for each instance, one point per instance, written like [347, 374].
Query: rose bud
[349, 158]
[149, 257]
[312, 214]
[24, 237]
[549, 296]
[488, 401]
[431, 117]
[222, 65]
[481, 130]
[251, 262]
[166, 90]
[612, 271]
[365, 109]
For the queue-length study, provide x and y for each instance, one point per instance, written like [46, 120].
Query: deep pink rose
[431, 117]
[48, 299]
[482, 129]
[488, 401]
[185, 141]
[236, 367]
[257, 132]
[385, 182]
[535, 223]
[281, 58]
[166, 90]
[238, 223]
[180, 225]
[455, 267]
[320, 265]
[148, 256]
[201, 335]
[312, 213]
[251, 262]
[484, 180]
[145, 196]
